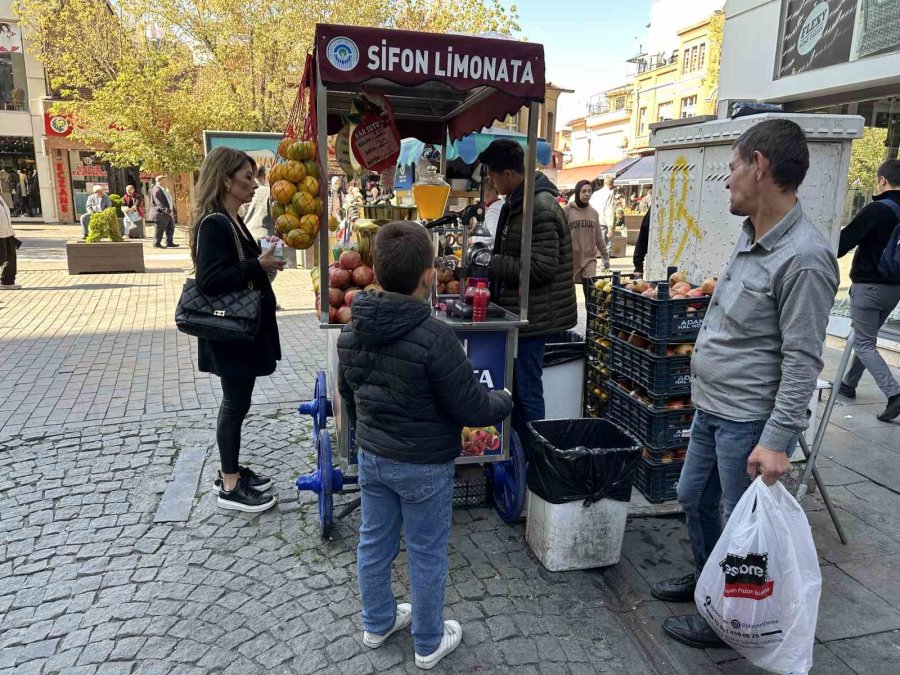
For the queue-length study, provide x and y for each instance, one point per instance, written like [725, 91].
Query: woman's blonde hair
[209, 193]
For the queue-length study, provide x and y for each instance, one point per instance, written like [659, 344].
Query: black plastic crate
[594, 297]
[470, 492]
[660, 319]
[656, 428]
[657, 482]
[659, 375]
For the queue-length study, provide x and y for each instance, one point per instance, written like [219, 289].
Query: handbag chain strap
[237, 242]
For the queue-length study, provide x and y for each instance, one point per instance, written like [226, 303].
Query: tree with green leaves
[866, 155]
[141, 80]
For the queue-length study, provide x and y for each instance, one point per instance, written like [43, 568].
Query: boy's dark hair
[403, 251]
[503, 154]
[783, 143]
[890, 171]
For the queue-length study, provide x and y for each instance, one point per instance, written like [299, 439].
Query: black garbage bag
[563, 347]
[581, 459]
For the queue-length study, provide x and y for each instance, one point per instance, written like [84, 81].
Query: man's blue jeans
[715, 469]
[85, 219]
[418, 497]
[528, 387]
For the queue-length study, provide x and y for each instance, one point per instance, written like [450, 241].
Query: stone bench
[105, 256]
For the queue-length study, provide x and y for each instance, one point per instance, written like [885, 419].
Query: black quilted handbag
[232, 316]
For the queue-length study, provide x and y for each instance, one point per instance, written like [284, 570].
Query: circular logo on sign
[342, 53]
[59, 125]
[813, 29]
[735, 624]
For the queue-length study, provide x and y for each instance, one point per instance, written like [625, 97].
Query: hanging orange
[283, 191]
[299, 151]
[312, 169]
[299, 239]
[293, 171]
[276, 173]
[285, 224]
[277, 210]
[310, 185]
[313, 151]
[283, 146]
[304, 202]
[293, 210]
[310, 224]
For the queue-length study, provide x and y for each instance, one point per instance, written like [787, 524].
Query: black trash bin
[581, 459]
[563, 375]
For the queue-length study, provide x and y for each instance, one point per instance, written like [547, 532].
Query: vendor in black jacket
[227, 258]
[552, 306]
[407, 384]
[872, 297]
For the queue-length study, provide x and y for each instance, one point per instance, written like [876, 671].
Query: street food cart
[440, 86]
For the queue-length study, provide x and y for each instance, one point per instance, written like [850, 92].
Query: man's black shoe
[157, 245]
[245, 498]
[892, 410]
[692, 630]
[847, 391]
[675, 590]
[257, 482]
[172, 244]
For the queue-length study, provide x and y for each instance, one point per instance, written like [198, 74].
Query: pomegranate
[350, 294]
[677, 296]
[339, 278]
[684, 350]
[350, 260]
[651, 292]
[639, 286]
[708, 286]
[696, 293]
[363, 275]
[335, 297]
[675, 404]
[332, 315]
[677, 277]
[343, 315]
[682, 287]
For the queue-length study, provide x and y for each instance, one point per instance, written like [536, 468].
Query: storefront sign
[820, 33]
[57, 125]
[89, 171]
[357, 54]
[487, 352]
[62, 186]
[10, 37]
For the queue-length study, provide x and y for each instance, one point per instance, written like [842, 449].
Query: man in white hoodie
[8, 243]
[604, 203]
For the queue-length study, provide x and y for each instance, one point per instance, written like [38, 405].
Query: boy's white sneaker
[450, 641]
[402, 620]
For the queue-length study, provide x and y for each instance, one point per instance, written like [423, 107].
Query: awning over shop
[568, 178]
[469, 147]
[640, 173]
[620, 167]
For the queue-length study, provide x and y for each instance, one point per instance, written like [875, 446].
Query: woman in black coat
[227, 258]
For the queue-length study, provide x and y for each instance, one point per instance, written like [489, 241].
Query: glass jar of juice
[431, 194]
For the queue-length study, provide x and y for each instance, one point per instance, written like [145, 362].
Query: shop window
[702, 52]
[18, 176]
[642, 121]
[13, 81]
[664, 111]
[688, 106]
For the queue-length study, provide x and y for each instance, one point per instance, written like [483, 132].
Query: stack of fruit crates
[597, 300]
[651, 339]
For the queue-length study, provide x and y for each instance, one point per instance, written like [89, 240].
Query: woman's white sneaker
[450, 641]
[401, 621]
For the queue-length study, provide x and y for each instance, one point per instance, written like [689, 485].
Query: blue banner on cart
[487, 352]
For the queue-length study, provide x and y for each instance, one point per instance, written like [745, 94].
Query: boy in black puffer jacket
[409, 388]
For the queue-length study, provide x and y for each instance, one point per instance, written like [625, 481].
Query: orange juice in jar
[431, 194]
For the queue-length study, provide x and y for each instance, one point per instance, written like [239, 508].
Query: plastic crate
[656, 428]
[470, 492]
[660, 319]
[657, 481]
[594, 298]
[659, 375]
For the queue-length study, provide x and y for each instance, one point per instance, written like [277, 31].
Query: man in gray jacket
[759, 352]
[98, 202]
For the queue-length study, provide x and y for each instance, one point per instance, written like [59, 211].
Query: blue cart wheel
[509, 482]
[326, 487]
[319, 408]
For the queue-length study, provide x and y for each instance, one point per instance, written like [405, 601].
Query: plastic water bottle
[480, 302]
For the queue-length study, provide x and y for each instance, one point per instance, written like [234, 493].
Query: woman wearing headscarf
[587, 238]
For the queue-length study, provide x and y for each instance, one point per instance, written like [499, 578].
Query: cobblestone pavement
[90, 584]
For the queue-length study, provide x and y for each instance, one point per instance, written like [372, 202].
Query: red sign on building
[59, 126]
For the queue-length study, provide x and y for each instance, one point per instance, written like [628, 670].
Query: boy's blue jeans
[418, 497]
[715, 470]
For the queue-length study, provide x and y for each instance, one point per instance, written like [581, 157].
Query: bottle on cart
[480, 302]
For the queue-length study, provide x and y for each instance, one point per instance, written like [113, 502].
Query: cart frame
[425, 103]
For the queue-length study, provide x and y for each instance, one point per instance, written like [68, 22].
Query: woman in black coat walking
[228, 258]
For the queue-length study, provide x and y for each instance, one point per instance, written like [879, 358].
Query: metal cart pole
[812, 455]
[322, 137]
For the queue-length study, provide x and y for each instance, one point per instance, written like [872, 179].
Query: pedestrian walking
[161, 212]
[552, 307]
[587, 239]
[228, 258]
[409, 388]
[97, 202]
[756, 361]
[873, 296]
[8, 246]
[133, 208]
[604, 203]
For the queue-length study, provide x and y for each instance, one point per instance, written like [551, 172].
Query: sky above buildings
[585, 44]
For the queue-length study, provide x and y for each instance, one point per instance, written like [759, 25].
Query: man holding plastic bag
[754, 370]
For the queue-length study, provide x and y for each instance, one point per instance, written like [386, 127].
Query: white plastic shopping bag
[760, 587]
